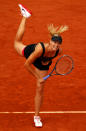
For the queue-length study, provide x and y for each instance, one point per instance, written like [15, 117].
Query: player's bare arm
[28, 64]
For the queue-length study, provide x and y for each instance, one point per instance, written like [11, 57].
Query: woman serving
[39, 55]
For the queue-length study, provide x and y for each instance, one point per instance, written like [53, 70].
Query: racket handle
[46, 77]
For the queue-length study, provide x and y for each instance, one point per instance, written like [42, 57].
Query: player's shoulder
[38, 48]
[46, 45]
[42, 46]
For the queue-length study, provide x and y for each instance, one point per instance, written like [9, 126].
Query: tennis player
[38, 55]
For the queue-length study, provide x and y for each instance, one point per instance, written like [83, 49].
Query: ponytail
[56, 31]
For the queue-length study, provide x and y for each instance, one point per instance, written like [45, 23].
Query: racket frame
[57, 63]
[56, 73]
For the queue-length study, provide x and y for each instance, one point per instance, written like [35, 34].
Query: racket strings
[64, 65]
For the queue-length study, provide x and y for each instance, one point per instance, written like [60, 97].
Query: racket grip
[46, 77]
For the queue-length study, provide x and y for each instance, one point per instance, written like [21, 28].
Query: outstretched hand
[41, 80]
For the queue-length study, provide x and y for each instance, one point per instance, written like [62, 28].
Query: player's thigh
[19, 46]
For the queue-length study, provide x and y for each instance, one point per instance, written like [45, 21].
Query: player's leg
[19, 46]
[38, 103]
[39, 91]
[39, 98]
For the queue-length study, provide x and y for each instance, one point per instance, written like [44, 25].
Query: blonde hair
[55, 31]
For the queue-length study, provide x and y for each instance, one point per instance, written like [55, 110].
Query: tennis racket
[63, 66]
